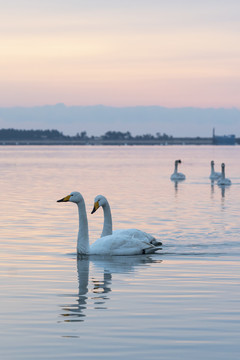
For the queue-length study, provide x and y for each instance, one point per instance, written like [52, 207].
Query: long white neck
[212, 168]
[176, 167]
[83, 240]
[107, 224]
[223, 172]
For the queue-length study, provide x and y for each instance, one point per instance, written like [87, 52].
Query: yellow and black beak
[66, 198]
[95, 207]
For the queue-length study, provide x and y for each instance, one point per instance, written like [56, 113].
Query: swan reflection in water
[176, 185]
[95, 294]
[223, 189]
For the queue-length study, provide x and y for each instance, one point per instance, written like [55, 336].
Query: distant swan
[214, 174]
[176, 176]
[130, 244]
[223, 180]
[101, 201]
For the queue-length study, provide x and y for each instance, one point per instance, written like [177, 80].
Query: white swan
[214, 174]
[101, 201]
[176, 176]
[109, 245]
[223, 180]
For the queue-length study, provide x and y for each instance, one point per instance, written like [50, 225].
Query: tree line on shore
[18, 135]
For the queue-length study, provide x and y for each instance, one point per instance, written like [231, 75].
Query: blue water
[181, 303]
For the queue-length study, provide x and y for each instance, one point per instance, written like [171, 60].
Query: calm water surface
[181, 303]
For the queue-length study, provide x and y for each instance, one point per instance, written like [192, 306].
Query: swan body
[131, 244]
[101, 201]
[214, 174]
[177, 176]
[223, 181]
[128, 242]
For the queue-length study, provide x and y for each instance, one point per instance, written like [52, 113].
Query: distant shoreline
[130, 142]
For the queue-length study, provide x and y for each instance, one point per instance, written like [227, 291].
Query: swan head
[177, 162]
[212, 162]
[74, 197]
[223, 166]
[99, 201]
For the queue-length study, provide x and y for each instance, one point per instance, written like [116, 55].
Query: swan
[223, 180]
[176, 176]
[101, 201]
[130, 244]
[214, 174]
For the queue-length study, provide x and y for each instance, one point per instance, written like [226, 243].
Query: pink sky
[120, 54]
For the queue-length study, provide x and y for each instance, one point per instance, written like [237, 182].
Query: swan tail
[155, 242]
[151, 250]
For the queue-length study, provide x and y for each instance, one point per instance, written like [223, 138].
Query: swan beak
[66, 198]
[95, 207]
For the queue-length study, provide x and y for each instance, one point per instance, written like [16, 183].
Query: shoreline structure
[171, 141]
[117, 138]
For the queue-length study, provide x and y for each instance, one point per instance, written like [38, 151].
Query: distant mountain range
[97, 120]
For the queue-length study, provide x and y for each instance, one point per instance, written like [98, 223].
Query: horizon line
[121, 107]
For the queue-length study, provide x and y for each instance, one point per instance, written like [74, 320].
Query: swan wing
[140, 234]
[178, 177]
[215, 175]
[124, 242]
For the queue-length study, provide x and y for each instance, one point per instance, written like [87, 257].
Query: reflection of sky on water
[185, 296]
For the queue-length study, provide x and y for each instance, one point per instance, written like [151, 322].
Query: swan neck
[176, 167]
[223, 172]
[83, 239]
[212, 167]
[107, 224]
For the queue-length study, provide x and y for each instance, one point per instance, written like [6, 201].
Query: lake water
[180, 303]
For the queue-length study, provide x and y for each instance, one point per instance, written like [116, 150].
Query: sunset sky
[173, 53]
